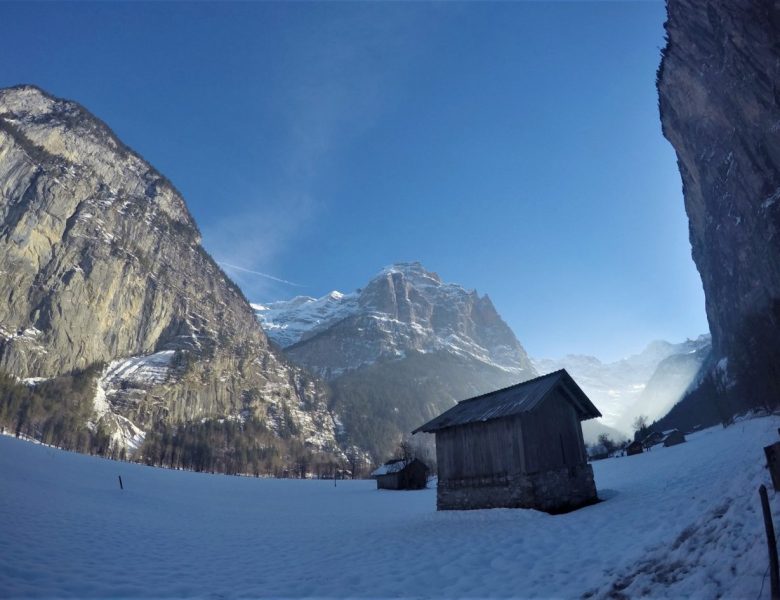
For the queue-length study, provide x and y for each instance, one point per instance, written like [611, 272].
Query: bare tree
[406, 450]
[607, 442]
[640, 423]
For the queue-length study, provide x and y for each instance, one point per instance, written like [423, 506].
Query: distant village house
[598, 452]
[670, 437]
[402, 474]
[673, 437]
[635, 447]
[652, 439]
[519, 447]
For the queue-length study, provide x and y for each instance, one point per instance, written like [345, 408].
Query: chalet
[401, 474]
[673, 437]
[635, 447]
[598, 452]
[519, 447]
[653, 439]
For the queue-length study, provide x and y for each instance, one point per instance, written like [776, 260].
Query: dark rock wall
[719, 99]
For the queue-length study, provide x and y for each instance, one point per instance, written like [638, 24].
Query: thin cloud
[266, 275]
[339, 82]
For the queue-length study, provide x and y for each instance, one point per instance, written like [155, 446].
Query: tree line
[60, 412]
[56, 411]
[234, 447]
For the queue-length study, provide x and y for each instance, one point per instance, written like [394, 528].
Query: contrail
[266, 275]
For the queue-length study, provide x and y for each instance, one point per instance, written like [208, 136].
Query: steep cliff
[101, 264]
[719, 98]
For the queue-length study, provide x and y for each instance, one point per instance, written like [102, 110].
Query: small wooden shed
[634, 447]
[598, 452]
[652, 439]
[401, 474]
[673, 437]
[519, 447]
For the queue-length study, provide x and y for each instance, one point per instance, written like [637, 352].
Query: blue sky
[514, 148]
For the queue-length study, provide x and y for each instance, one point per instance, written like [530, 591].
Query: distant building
[635, 447]
[673, 437]
[401, 475]
[653, 439]
[519, 447]
[598, 452]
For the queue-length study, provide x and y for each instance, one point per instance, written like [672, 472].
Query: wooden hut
[653, 439]
[598, 452]
[519, 447]
[634, 447]
[673, 437]
[401, 474]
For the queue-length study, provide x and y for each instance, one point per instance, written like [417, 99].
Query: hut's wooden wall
[390, 481]
[548, 438]
[553, 436]
[493, 448]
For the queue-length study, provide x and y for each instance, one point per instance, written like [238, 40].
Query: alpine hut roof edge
[513, 400]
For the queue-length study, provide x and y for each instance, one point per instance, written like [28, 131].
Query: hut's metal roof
[393, 466]
[396, 466]
[520, 398]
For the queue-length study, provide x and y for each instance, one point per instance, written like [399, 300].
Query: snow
[146, 369]
[771, 199]
[388, 468]
[722, 371]
[142, 371]
[676, 522]
[288, 321]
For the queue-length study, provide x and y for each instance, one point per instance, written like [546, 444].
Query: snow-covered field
[676, 522]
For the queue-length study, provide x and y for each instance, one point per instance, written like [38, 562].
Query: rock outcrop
[101, 262]
[719, 98]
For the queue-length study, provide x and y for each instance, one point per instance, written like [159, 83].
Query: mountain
[648, 383]
[398, 351]
[674, 376]
[104, 277]
[720, 110]
[286, 322]
[403, 309]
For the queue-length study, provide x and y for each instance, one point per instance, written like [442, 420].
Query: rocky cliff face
[720, 108]
[100, 262]
[403, 309]
[399, 351]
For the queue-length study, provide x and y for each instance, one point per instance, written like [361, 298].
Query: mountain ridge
[104, 272]
[439, 316]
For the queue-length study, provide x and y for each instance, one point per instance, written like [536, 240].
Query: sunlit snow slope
[676, 522]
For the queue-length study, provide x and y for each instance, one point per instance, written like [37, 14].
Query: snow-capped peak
[286, 322]
[403, 308]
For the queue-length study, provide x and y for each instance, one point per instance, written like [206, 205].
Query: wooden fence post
[774, 574]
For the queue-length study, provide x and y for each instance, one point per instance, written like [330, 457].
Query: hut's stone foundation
[557, 490]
